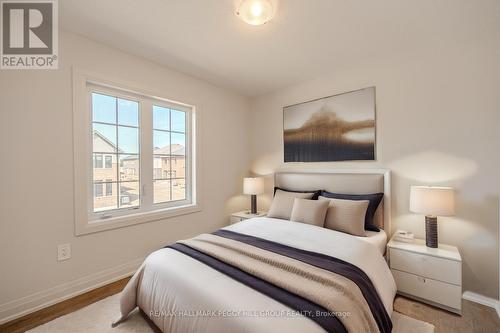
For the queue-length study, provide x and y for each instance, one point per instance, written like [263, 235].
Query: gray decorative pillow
[309, 211]
[281, 207]
[346, 215]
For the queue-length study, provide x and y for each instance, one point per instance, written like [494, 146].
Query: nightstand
[244, 215]
[430, 275]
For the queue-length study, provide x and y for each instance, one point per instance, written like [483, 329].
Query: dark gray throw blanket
[373, 317]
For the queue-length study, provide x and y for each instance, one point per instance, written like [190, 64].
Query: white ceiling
[306, 38]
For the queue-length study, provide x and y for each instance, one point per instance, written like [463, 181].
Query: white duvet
[180, 294]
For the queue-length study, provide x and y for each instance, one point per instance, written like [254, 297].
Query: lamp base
[431, 232]
[253, 204]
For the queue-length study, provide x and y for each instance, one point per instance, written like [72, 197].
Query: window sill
[90, 227]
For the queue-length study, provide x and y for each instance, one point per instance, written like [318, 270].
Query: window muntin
[169, 154]
[115, 131]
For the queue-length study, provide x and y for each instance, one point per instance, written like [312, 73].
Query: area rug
[97, 318]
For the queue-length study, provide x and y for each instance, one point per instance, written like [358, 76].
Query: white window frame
[86, 221]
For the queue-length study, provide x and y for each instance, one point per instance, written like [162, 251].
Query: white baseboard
[34, 302]
[487, 301]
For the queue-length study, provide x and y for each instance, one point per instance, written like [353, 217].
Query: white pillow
[309, 211]
[281, 207]
[346, 215]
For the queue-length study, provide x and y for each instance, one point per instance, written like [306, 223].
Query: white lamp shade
[253, 186]
[436, 201]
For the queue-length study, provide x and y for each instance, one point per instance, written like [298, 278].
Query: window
[169, 145]
[109, 187]
[97, 161]
[136, 156]
[108, 162]
[98, 190]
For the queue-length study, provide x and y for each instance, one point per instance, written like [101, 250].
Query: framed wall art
[335, 128]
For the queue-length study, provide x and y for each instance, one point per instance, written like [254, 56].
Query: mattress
[378, 239]
[169, 286]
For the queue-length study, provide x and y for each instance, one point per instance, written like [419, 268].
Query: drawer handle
[421, 279]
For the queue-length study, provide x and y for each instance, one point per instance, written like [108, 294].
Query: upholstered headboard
[357, 181]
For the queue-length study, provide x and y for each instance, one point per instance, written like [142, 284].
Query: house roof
[177, 149]
[105, 139]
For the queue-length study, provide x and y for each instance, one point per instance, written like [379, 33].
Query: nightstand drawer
[428, 289]
[440, 269]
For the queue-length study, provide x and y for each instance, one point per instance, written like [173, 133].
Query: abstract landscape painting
[335, 128]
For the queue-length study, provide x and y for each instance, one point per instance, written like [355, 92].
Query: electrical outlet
[63, 252]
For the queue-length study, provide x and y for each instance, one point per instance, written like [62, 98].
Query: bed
[377, 239]
[181, 294]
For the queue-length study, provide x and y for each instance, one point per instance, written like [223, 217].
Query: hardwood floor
[475, 317]
[60, 309]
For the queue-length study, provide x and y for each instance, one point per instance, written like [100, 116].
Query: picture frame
[340, 127]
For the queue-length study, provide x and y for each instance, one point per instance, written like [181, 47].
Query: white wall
[438, 122]
[36, 192]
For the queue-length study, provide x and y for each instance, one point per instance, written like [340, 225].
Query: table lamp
[433, 202]
[253, 186]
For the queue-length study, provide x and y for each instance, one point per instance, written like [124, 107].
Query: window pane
[103, 108]
[161, 167]
[129, 194]
[178, 164]
[161, 118]
[116, 147]
[104, 138]
[105, 202]
[128, 140]
[129, 167]
[178, 189]
[165, 167]
[100, 171]
[178, 121]
[161, 142]
[178, 144]
[161, 191]
[128, 112]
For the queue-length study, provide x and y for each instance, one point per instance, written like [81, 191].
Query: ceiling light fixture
[255, 12]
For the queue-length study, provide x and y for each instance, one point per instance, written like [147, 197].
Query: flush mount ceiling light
[255, 12]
